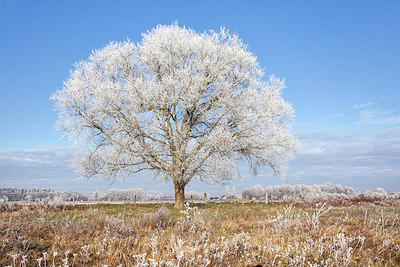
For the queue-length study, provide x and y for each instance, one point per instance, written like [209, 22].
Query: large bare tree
[180, 104]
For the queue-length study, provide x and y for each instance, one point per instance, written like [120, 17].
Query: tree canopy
[180, 104]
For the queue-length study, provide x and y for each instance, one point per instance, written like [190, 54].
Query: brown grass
[206, 235]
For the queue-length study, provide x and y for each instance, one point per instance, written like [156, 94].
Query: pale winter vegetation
[180, 104]
[154, 196]
[281, 192]
[379, 198]
[193, 194]
[230, 194]
[203, 235]
[35, 194]
[115, 194]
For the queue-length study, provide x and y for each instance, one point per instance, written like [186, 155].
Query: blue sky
[340, 60]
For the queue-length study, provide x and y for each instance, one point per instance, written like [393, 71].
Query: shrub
[159, 219]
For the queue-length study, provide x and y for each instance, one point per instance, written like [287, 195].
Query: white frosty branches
[181, 104]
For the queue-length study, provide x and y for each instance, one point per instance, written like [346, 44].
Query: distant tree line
[229, 195]
[34, 194]
[280, 192]
[153, 196]
[115, 194]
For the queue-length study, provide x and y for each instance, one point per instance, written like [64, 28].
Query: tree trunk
[179, 195]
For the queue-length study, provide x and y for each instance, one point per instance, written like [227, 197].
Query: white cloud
[363, 105]
[50, 168]
[364, 160]
[378, 117]
[368, 115]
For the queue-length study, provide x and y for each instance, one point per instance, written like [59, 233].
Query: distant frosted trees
[230, 194]
[380, 190]
[254, 191]
[280, 192]
[193, 194]
[34, 194]
[154, 196]
[115, 194]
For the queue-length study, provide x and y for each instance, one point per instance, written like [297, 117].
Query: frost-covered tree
[254, 191]
[280, 192]
[230, 194]
[96, 195]
[115, 194]
[227, 191]
[180, 104]
[380, 190]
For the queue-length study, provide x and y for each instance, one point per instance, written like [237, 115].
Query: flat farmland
[213, 234]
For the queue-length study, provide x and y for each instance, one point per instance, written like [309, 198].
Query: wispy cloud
[30, 168]
[378, 116]
[55, 157]
[368, 114]
[51, 168]
[364, 160]
[363, 105]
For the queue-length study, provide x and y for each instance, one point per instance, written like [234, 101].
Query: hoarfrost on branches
[181, 104]
[280, 192]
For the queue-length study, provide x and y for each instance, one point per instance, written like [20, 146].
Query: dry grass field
[228, 234]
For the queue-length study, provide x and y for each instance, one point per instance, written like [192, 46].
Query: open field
[203, 235]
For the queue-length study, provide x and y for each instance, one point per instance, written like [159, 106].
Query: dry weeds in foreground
[205, 235]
